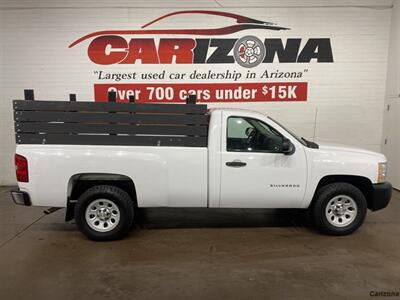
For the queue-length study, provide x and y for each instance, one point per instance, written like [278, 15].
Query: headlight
[382, 167]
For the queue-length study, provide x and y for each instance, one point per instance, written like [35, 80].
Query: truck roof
[236, 110]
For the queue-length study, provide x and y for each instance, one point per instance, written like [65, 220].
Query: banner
[230, 63]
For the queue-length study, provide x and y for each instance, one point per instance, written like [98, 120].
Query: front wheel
[104, 213]
[339, 208]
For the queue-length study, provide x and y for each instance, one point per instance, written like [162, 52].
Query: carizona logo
[113, 47]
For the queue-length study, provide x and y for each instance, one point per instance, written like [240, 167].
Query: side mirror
[287, 147]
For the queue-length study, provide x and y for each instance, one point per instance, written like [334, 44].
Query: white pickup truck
[102, 160]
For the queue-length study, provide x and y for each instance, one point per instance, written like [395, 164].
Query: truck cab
[255, 162]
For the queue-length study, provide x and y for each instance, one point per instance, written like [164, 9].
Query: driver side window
[251, 135]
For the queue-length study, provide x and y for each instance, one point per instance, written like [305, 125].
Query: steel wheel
[102, 215]
[341, 211]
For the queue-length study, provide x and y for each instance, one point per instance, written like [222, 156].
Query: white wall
[345, 98]
[391, 132]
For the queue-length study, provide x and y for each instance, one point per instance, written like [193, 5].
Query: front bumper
[380, 197]
[21, 198]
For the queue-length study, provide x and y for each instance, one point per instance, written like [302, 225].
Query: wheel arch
[79, 183]
[364, 184]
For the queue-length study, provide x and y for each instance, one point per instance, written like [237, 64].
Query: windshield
[299, 139]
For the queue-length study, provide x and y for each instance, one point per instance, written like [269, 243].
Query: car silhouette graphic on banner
[243, 23]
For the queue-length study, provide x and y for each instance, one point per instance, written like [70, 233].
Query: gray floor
[197, 254]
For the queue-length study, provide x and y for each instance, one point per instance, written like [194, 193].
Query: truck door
[254, 171]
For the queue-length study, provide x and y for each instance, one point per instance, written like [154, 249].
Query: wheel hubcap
[341, 211]
[249, 52]
[102, 215]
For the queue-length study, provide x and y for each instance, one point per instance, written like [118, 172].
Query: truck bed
[160, 177]
[146, 142]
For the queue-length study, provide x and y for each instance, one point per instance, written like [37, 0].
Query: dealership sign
[203, 46]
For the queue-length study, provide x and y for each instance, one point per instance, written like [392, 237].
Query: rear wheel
[104, 213]
[339, 209]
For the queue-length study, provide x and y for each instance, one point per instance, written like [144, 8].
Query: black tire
[324, 197]
[114, 195]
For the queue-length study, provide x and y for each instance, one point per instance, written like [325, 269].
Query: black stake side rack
[110, 123]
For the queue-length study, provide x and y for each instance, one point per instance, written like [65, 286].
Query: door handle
[235, 164]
